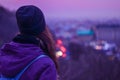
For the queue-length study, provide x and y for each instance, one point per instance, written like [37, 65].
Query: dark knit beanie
[30, 20]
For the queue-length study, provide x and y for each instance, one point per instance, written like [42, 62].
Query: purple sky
[93, 9]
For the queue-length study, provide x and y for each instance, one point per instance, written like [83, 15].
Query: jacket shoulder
[39, 68]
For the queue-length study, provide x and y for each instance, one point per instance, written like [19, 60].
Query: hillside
[8, 27]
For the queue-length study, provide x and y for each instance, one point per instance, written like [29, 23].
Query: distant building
[109, 32]
[86, 34]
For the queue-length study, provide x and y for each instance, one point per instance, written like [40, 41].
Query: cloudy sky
[93, 9]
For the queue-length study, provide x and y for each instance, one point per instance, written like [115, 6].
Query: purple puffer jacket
[15, 56]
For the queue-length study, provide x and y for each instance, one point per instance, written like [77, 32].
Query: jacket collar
[26, 39]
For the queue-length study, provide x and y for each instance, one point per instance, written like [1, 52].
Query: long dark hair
[48, 45]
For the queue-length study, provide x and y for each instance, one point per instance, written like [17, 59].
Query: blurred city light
[59, 42]
[98, 47]
[59, 54]
[64, 55]
[62, 48]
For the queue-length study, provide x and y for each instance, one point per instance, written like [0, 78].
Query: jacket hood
[15, 56]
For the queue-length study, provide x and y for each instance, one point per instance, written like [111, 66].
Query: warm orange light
[59, 53]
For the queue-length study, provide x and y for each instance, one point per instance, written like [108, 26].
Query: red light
[59, 41]
[64, 55]
[63, 49]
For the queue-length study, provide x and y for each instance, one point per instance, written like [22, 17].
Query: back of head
[30, 20]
